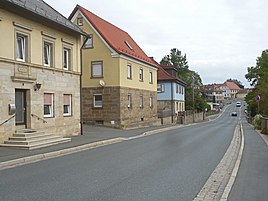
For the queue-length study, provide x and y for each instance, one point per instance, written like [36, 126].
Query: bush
[257, 122]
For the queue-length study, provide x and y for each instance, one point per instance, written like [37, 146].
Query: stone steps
[32, 139]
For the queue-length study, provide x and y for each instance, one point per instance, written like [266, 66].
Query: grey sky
[221, 38]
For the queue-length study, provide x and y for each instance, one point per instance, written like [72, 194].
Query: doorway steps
[32, 139]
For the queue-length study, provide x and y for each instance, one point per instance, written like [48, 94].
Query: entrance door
[20, 102]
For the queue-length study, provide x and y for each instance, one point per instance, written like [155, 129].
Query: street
[173, 165]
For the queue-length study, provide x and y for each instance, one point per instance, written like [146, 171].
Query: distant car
[238, 104]
[234, 114]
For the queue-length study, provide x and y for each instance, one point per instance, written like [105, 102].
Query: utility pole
[193, 95]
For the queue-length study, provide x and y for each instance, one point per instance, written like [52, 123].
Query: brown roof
[116, 38]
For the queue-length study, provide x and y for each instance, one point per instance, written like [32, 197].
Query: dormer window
[129, 46]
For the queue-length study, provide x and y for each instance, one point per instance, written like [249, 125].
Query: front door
[20, 102]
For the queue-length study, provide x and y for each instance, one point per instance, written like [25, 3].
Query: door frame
[24, 91]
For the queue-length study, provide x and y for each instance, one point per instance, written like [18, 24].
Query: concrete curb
[219, 182]
[231, 181]
[54, 154]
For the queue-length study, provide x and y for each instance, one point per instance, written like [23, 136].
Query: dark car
[234, 114]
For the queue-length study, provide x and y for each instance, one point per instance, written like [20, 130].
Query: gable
[119, 41]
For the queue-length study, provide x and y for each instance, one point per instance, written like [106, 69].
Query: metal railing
[8, 119]
[39, 118]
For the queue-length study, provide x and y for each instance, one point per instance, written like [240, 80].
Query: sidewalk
[91, 134]
[252, 178]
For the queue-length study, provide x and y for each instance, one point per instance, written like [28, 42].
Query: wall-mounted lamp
[37, 86]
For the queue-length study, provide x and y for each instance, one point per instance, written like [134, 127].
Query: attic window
[80, 21]
[129, 46]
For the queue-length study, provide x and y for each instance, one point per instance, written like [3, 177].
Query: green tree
[258, 78]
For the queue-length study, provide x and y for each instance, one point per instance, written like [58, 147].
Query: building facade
[39, 70]
[119, 80]
[170, 92]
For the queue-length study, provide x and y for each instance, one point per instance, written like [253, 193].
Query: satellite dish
[102, 83]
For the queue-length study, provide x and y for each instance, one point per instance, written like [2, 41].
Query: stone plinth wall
[115, 111]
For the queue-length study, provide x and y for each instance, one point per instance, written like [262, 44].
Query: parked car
[234, 114]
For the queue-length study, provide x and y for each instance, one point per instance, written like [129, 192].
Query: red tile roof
[231, 85]
[117, 39]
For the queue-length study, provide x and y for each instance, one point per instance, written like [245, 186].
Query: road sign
[258, 98]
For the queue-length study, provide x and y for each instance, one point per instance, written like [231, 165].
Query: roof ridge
[118, 39]
[101, 18]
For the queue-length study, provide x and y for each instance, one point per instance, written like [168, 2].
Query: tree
[192, 79]
[258, 76]
[237, 82]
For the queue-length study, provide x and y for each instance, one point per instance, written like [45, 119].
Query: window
[141, 101]
[89, 42]
[80, 21]
[129, 71]
[129, 46]
[141, 74]
[150, 77]
[96, 69]
[151, 102]
[66, 58]
[177, 88]
[129, 100]
[160, 88]
[47, 54]
[97, 100]
[48, 105]
[67, 104]
[21, 47]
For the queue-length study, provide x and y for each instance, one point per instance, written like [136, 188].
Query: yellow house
[119, 81]
[39, 70]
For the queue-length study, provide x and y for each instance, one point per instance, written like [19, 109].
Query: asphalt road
[173, 165]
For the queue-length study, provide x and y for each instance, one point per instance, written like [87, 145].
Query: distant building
[170, 91]
[119, 80]
[213, 93]
[230, 90]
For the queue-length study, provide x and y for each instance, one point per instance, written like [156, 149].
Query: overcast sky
[221, 38]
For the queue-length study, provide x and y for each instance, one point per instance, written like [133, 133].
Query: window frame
[94, 101]
[68, 63]
[129, 100]
[151, 77]
[92, 69]
[50, 106]
[51, 52]
[162, 88]
[69, 113]
[141, 74]
[89, 39]
[24, 46]
[80, 21]
[141, 101]
[129, 71]
[151, 104]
